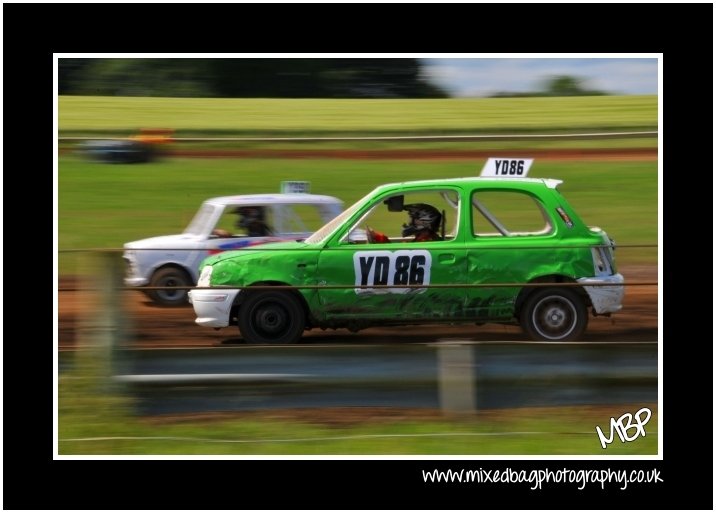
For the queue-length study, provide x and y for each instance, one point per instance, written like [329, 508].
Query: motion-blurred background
[218, 126]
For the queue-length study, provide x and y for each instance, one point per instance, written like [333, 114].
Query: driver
[253, 220]
[424, 223]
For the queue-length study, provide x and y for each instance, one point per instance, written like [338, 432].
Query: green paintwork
[328, 258]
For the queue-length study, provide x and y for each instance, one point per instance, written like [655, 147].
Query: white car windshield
[203, 217]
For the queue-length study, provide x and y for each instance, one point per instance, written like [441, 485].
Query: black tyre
[554, 314]
[170, 277]
[268, 317]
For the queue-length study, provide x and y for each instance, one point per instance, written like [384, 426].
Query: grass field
[190, 116]
[104, 206]
[526, 431]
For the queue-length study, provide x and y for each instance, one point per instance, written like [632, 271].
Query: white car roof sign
[506, 167]
[295, 187]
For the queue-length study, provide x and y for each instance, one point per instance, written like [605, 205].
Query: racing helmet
[422, 217]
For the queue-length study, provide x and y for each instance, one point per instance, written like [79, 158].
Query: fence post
[456, 379]
[102, 324]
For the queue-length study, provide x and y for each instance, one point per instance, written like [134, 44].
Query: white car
[173, 260]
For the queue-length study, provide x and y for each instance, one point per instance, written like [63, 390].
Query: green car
[465, 250]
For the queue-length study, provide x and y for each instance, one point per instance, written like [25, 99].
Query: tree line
[560, 85]
[246, 78]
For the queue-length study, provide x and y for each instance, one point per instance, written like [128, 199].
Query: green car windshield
[324, 232]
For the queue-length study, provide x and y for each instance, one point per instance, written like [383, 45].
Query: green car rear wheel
[554, 314]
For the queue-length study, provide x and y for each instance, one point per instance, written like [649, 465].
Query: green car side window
[425, 210]
[508, 213]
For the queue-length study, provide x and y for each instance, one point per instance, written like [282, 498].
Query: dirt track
[421, 154]
[153, 326]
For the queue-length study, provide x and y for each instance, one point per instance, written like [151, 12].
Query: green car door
[517, 236]
[399, 279]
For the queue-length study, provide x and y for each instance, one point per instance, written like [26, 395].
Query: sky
[466, 77]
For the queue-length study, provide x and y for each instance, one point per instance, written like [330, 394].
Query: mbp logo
[622, 426]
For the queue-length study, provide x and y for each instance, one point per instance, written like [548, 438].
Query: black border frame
[32, 33]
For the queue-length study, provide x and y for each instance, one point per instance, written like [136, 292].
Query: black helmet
[422, 217]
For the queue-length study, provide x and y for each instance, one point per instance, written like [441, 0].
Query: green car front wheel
[271, 317]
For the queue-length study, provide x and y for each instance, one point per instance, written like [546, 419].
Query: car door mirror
[395, 204]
